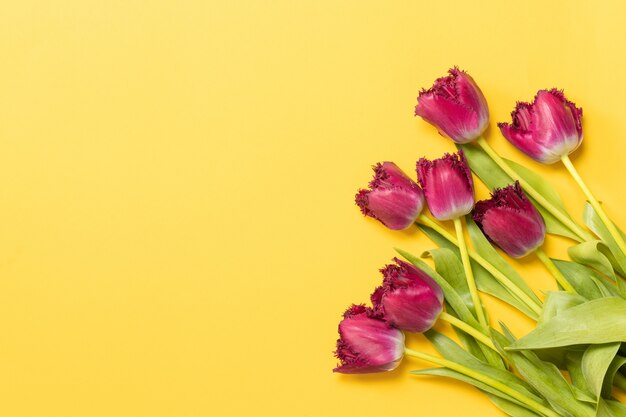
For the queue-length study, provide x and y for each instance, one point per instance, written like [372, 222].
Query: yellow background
[177, 229]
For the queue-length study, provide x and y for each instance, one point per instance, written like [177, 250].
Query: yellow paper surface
[177, 229]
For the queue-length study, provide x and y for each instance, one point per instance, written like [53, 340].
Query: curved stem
[505, 389]
[475, 333]
[555, 211]
[469, 275]
[617, 236]
[550, 266]
[497, 274]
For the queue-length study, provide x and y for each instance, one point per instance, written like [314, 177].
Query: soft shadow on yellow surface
[179, 236]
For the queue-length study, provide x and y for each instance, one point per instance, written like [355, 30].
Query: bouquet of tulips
[575, 357]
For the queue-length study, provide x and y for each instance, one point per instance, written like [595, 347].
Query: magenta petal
[470, 95]
[367, 344]
[395, 208]
[393, 198]
[448, 186]
[389, 175]
[547, 129]
[356, 369]
[455, 106]
[453, 120]
[516, 233]
[511, 221]
[408, 299]
[414, 309]
[524, 141]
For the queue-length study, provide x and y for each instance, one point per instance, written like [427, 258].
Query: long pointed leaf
[595, 363]
[596, 321]
[450, 268]
[484, 280]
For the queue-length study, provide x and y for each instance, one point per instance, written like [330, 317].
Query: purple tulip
[455, 106]
[511, 221]
[393, 198]
[448, 185]
[408, 299]
[366, 343]
[547, 129]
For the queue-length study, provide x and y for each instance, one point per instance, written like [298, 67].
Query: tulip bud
[455, 106]
[366, 343]
[408, 299]
[448, 185]
[547, 129]
[511, 221]
[393, 198]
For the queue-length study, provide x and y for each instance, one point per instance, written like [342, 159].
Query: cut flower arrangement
[573, 360]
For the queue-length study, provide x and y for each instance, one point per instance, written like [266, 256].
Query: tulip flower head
[455, 106]
[546, 129]
[393, 198]
[511, 221]
[409, 299]
[366, 343]
[448, 185]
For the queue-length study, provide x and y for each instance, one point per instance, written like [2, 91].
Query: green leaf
[593, 322]
[595, 363]
[450, 294]
[484, 280]
[557, 302]
[593, 254]
[594, 223]
[493, 177]
[450, 350]
[467, 340]
[504, 402]
[487, 251]
[615, 255]
[510, 408]
[586, 281]
[618, 409]
[573, 364]
[604, 410]
[448, 265]
[616, 364]
[546, 379]
[449, 373]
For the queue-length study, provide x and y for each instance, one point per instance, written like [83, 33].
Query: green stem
[469, 275]
[497, 274]
[555, 211]
[494, 383]
[617, 236]
[475, 333]
[550, 266]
